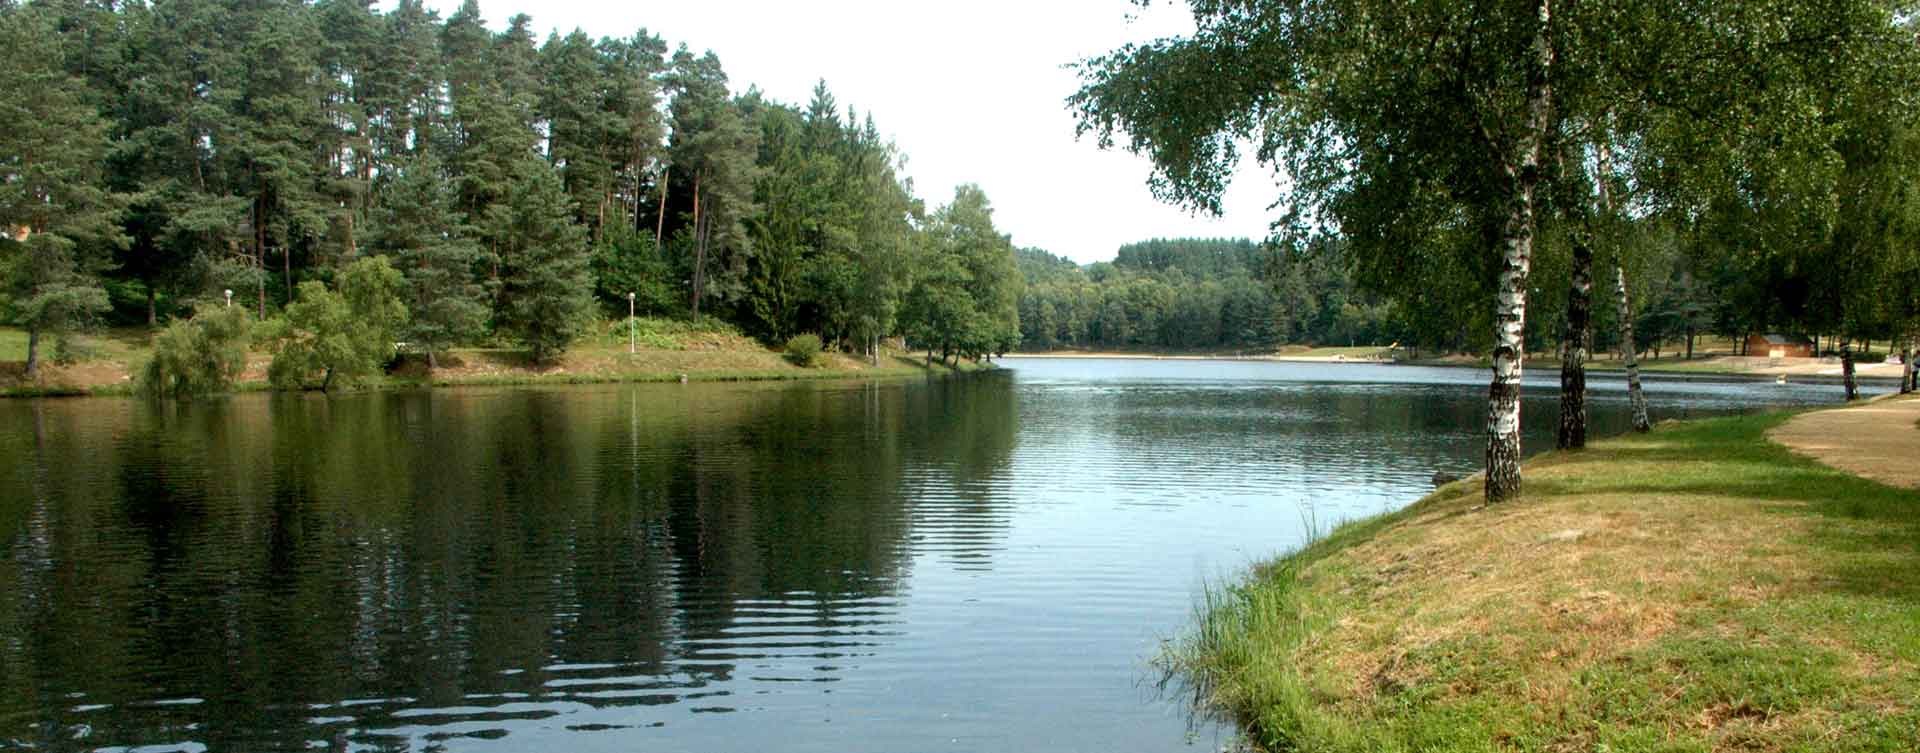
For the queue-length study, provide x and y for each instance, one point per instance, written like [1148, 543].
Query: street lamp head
[629, 296]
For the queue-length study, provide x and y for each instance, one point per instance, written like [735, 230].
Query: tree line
[158, 157]
[1474, 160]
[1236, 294]
[1195, 294]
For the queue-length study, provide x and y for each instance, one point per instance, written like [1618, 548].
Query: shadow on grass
[1732, 459]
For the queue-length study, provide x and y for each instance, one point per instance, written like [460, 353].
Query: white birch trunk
[1516, 261]
[1629, 351]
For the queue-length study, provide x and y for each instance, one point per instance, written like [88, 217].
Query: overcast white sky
[972, 92]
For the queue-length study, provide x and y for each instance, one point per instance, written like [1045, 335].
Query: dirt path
[1879, 440]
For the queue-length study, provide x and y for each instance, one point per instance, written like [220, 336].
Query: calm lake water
[982, 563]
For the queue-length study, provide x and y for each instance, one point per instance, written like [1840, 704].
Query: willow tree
[1423, 131]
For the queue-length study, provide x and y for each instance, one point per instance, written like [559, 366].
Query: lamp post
[631, 323]
[229, 293]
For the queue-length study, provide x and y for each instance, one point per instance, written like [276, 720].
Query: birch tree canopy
[1421, 131]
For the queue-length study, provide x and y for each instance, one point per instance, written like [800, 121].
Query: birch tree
[1422, 132]
[1423, 116]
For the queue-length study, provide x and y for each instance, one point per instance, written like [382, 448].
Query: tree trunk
[433, 364]
[1629, 352]
[1913, 375]
[1575, 349]
[1510, 311]
[153, 308]
[327, 381]
[699, 248]
[660, 217]
[260, 254]
[1906, 368]
[1846, 371]
[33, 352]
[1635, 396]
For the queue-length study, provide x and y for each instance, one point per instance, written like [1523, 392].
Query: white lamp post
[229, 293]
[631, 323]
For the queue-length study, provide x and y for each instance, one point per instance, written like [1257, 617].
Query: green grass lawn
[1356, 352]
[1695, 589]
[90, 346]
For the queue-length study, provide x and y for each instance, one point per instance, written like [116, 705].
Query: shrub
[345, 335]
[199, 356]
[804, 350]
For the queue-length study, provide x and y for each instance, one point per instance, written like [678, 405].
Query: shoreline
[1668, 590]
[1607, 368]
[895, 365]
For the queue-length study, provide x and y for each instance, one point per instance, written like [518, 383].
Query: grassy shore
[1696, 589]
[105, 363]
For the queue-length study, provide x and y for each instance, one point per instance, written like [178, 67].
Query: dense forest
[1234, 294]
[1192, 294]
[159, 157]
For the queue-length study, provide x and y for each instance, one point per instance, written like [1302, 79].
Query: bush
[346, 335]
[804, 350]
[656, 333]
[199, 356]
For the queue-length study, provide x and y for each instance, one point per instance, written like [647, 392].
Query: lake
[977, 563]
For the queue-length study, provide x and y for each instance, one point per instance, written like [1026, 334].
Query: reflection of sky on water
[974, 564]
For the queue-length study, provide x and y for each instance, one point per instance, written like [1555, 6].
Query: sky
[971, 92]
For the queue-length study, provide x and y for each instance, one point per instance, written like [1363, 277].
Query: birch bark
[1516, 260]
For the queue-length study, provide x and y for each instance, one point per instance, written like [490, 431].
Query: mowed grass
[1354, 352]
[1695, 589]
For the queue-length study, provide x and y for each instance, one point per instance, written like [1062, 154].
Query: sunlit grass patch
[1695, 589]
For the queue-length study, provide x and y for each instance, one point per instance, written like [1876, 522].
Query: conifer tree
[420, 228]
[59, 222]
[545, 292]
[714, 144]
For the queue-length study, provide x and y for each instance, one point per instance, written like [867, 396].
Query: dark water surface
[975, 564]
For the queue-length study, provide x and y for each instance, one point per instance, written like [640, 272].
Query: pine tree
[714, 144]
[59, 221]
[545, 292]
[175, 110]
[282, 131]
[418, 225]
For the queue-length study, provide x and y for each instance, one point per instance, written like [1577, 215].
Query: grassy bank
[666, 351]
[1696, 589]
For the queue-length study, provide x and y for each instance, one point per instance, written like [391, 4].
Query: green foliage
[545, 296]
[257, 146]
[424, 234]
[1199, 294]
[346, 335]
[624, 261]
[52, 146]
[713, 143]
[1412, 165]
[804, 350]
[203, 355]
[965, 300]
